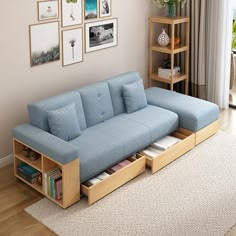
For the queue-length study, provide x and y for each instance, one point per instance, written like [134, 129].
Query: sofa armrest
[46, 143]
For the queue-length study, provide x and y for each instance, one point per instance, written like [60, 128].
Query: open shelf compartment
[44, 164]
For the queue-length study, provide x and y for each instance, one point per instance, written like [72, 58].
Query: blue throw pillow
[134, 96]
[64, 122]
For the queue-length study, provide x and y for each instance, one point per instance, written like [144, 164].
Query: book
[28, 170]
[49, 174]
[36, 174]
[45, 183]
[166, 73]
[110, 171]
[55, 187]
[58, 187]
[149, 153]
[167, 76]
[94, 181]
[102, 176]
[134, 156]
[175, 70]
[54, 176]
[27, 178]
[116, 167]
[152, 149]
[165, 142]
[124, 163]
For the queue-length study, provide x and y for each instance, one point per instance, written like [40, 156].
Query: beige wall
[21, 84]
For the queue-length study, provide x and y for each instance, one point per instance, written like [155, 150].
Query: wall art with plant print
[72, 43]
[48, 10]
[71, 12]
[44, 43]
[90, 9]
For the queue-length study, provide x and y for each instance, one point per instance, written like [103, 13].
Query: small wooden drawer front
[187, 143]
[115, 180]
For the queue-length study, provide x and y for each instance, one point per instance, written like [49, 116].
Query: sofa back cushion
[134, 96]
[97, 103]
[115, 86]
[38, 110]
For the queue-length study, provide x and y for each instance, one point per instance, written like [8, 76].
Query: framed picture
[71, 11]
[72, 43]
[90, 9]
[104, 8]
[48, 10]
[44, 43]
[101, 35]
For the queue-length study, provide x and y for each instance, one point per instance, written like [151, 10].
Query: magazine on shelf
[102, 176]
[94, 181]
[149, 153]
[124, 163]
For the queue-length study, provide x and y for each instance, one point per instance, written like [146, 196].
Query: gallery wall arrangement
[75, 24]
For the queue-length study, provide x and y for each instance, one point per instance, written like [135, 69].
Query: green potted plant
[72, 2]
[170, 6]
[234, 37]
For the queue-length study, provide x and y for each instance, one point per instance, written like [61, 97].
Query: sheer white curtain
[218, 49]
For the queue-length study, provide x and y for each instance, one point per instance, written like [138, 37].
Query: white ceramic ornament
[163, 38]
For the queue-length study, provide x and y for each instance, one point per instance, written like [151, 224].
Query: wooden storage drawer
[187, 143]
[115, 180]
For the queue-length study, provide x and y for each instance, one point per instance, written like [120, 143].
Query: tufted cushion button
[102, 113]
[99, 95]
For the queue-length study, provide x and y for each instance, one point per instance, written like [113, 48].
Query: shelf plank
[37, 164]
[58, 202]
[172, 20]
[167, 49]
[35, 186]
[176, 79]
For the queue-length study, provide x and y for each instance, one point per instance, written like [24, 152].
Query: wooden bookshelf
[70, 174]
[170, 50]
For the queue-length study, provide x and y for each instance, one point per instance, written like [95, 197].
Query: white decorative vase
[163, 38]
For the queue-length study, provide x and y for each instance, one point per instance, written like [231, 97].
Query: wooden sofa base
[189, 141]
[115, 180]
[207, 132]
[71, 186]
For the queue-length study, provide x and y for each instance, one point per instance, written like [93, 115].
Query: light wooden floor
[15, 196]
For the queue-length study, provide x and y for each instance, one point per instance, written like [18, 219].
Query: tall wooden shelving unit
[170, 49]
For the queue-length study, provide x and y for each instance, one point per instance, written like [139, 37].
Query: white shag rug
[193, 196]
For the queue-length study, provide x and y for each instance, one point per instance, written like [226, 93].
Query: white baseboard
[6, 161]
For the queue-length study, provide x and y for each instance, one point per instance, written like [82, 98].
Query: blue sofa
[108, 133]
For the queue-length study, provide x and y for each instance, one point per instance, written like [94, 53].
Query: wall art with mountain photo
[44, 43]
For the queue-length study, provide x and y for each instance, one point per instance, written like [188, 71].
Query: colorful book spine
[50, 183]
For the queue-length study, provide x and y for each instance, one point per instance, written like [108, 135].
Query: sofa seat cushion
[194, 114]
[158, 121]
[105, 144]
